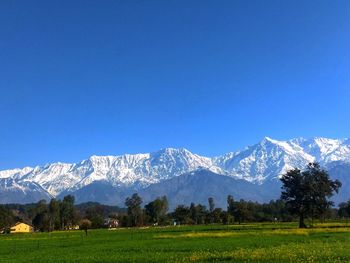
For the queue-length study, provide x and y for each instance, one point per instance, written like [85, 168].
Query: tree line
[57, 214]
[305, 195]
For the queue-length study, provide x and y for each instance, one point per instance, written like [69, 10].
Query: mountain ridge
[257, 164]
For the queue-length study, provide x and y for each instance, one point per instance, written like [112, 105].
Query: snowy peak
[16, 173]
[265, 160]
[325, 150]
[171, 162]
[178, 159]
[267, 140]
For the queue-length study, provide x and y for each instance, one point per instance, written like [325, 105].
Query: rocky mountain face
[108, 179]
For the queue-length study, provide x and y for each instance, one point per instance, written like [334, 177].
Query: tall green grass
[213, 243]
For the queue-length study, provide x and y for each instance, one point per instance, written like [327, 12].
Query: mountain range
[183, 176]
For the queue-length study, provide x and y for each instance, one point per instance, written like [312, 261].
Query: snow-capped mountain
[257, 164]
[137, 171]
[265, 160]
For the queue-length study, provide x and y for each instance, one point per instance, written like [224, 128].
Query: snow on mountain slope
[265, 160]
[54, 177]
[259, 163]
[117, 170]
[325, 150]
[220, 161]
[173, 162]
[138, 170]
[12, 191]
[15, 173]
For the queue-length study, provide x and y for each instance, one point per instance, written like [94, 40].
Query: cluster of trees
[58, 214]
[237, 211]
[55, 215]
[305, 194]
[240, 211]
[43, 216]
[155, 212]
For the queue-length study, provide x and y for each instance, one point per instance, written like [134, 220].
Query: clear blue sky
[79, 78]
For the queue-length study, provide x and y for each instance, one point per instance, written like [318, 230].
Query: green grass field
[245, 243]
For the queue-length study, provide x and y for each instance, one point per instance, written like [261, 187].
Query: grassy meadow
[281, 242]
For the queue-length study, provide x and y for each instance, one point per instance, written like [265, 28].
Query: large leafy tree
[67, 211]
[133, 204]
[182, 214]
[231, 205]
[157, 209]
[211, 209]
[241, 212]
[308, 192]
[54, 214]
[197, 213]
[41, 221]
